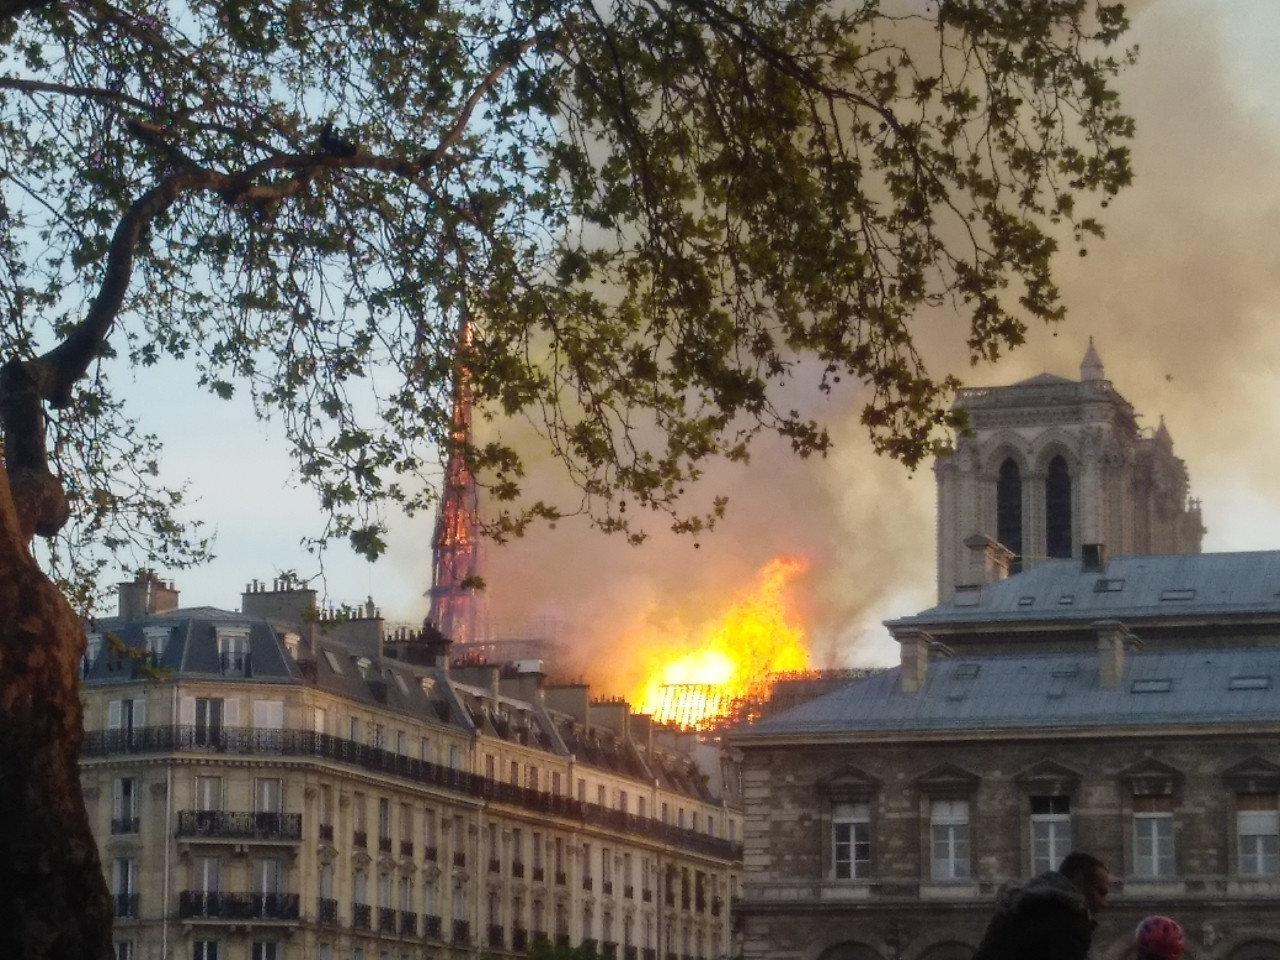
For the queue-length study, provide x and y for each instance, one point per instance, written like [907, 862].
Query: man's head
[1090, 876]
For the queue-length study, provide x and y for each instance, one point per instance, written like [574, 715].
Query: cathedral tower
[1051, 464]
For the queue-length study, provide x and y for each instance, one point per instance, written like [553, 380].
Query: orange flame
[732, 657]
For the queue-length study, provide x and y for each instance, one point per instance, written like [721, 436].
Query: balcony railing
[307, 743]
[648, 953]
[386, 920]
[203, 904]
[717, 904]
[326, 832]
[430, 852]
[124, 905]
[646, 896]
[607, 888]
[610, 950]
[630, 953]
[459, 858]
[519, 939]
[539, 874]
[561, 878]
[408, 923]
[586, 883]
[495, 866]
[562, 941]
[406, 848]
[360, 839]
[384, 844]
[517, 869]
[239, 825]
[361, 916]
[124, 825]
[327, 912]
[461, 931]
[629, 892]
[431, 927]
[496, 937]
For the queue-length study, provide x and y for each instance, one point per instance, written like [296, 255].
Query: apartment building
[276, 783]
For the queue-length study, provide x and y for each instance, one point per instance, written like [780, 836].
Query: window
[851, 841]
[93, 643]
[268, 795]
[124, 950]
[1050, 832]
[1258, 832]
[208, 793]
[268, 714]
[266, 950]
[126, 718]
[124, 879]
[1009, 511]
[206, 874]
[124, 805]
[1057, 509]
[949, 839]
[1153, 854]
[207, 716]
[384, 819]
[204, 950]
[233, 651]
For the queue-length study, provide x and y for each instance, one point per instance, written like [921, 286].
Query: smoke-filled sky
[1182, 300]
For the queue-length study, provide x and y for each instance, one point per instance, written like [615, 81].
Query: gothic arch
[1005, 446]
[1056, 443]
[850, 950]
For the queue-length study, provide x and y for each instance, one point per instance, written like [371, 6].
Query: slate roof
[1127, 589]
[1062, 691]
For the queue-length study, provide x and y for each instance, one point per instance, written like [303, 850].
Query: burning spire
[455, 548]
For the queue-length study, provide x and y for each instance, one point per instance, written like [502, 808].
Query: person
[1050, 917]
[1158, 938]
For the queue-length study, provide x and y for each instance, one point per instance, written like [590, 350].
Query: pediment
[1253, 775]
[1151, 777]
[848, 783]
[1048, 778]
[948, 781]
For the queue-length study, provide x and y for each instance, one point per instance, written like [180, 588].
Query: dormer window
[291, 644]
[156, 639]
[233, 650]
[92, 646]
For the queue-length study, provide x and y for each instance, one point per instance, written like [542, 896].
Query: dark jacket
[1044, 919]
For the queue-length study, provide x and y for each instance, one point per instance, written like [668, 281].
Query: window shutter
[114, 715]
[139, 713]
[187, 711]
[231, 713]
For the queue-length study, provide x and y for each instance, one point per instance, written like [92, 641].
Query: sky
[1182, 301]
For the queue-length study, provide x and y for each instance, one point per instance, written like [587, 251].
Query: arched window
[1057, 509]
[1009, 511]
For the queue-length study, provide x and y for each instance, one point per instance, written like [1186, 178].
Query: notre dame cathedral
[1049, 464]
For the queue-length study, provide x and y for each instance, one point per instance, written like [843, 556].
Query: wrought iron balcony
[495, 866]
[326, 832]
[630, 953]
[519, 939]
[406, 848]
[429, 852]
[629, 892]
[361, 916]
[646, 895]
[561, 878]
[539, 874]
[431, 927]
[648, 953]
[496, 937]
[459, 858]
[386, 920]
[607, 888]
[408, 923]
[610, 950]
[517, 869]
[239, 825]
[586, 883]
[124, 905]
[327, 912]
[384, 844]
[461, 931]
[360, 839]
[208, 905]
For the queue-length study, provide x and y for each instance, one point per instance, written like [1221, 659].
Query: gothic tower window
[1009, 510]
[1057, 503]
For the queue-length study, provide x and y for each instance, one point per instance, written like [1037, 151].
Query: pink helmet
[1159, 938]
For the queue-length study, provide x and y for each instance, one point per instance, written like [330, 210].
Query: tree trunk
[54, 902]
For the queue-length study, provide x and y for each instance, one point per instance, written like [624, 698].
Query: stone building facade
[276, 784]
[1128, 707]
[1049, 464]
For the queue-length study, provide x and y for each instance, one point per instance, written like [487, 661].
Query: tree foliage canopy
[654, 215]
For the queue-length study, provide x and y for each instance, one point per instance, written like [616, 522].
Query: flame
[731, 658]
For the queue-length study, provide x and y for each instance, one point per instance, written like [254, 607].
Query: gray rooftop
[1180, 687]
[1127, 588]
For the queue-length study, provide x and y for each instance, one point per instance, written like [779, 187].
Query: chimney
[1113, 638]
[145, 596]
[915, 659]
[1093, 557]
[989, 560]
